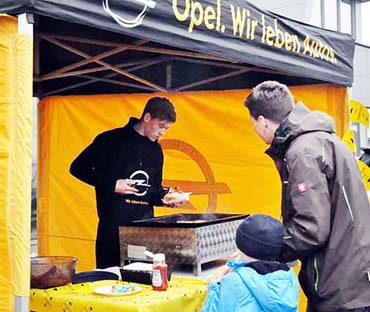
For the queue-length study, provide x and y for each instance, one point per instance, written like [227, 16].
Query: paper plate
[185, 197]
[120, 290]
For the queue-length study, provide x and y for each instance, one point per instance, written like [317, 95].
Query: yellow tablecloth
[183, 294]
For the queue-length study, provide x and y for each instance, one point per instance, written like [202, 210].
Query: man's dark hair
[270, 99]
[161, 108]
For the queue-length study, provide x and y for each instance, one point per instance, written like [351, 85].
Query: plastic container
[53, 271]
[159, 275]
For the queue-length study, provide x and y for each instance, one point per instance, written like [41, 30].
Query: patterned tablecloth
[184, 294]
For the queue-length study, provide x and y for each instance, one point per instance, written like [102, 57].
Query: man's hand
[125, 186]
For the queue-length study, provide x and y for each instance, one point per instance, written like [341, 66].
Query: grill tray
[184, 220]
[210, 237]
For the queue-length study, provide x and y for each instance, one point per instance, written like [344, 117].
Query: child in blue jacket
[256, 281]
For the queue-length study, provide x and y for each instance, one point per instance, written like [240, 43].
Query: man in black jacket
[125, 166]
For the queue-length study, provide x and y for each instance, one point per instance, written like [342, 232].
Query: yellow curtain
[211, 150]
[15, 161]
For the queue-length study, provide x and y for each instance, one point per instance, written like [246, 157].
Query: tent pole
[21, 303]
[168, 76]
[21, 296]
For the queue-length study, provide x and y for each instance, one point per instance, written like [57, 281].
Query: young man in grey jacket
[325, 208]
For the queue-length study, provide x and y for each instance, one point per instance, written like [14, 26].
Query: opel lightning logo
[115, 11]
[141, 179]
[209, 187]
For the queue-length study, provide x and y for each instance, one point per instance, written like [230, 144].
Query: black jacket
[122, 153]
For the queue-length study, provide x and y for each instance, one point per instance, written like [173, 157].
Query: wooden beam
[88, 58]
[211, 63]
[91, 80]
[137, 47]
[168, 76]
[122, 83]
[140, 64]
[113, 68]
[208, 80]
[80, 40]
[174, 52]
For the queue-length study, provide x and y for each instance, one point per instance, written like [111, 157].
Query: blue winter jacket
[260, 286]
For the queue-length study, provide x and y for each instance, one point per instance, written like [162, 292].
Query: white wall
[361, 83]
[360, 91]
[297, 9]
[302, 11]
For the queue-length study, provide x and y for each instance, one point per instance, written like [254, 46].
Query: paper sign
[349, 140]
[359, 113]
[365, 173]
[134, 251]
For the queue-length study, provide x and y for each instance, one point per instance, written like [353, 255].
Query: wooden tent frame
[127, 69]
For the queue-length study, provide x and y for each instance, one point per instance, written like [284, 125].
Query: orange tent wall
[211, 150]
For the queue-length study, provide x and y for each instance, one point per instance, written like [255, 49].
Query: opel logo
[116, 10]
[208, 187]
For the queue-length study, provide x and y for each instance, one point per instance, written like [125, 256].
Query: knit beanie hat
[260, 236]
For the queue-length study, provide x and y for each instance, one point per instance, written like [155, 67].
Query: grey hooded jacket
[325, 210]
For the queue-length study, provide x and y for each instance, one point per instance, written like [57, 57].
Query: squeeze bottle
[159, 277]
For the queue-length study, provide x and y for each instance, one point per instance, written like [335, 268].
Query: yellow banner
[349, 139]
[359, 113]
[365, 173]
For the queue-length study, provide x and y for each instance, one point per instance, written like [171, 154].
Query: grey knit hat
[260, 236]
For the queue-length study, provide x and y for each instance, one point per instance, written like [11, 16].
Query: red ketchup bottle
[159, 277]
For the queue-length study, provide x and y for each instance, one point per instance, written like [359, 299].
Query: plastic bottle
[159, 277]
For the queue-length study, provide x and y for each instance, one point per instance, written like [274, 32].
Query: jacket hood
[301, 120]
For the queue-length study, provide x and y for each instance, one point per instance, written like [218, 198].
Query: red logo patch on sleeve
[302, 187]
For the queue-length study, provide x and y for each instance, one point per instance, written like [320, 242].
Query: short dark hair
[270, 99]
[161, 108]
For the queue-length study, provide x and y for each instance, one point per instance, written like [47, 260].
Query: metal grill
[184, 238]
